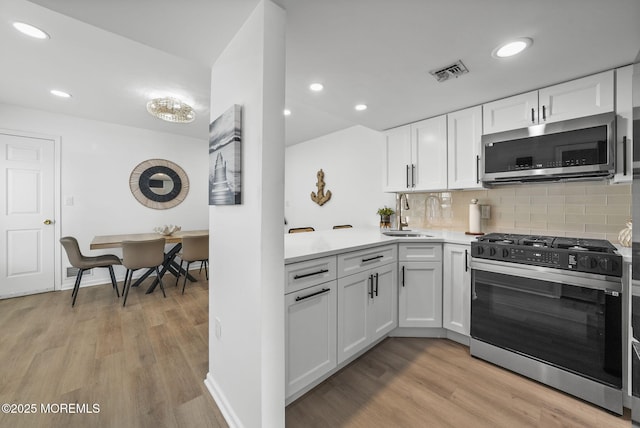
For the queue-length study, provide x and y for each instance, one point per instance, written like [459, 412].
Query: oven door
[561, 318]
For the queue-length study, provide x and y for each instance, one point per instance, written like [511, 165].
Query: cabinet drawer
[359, 261]
[419, 252]
[311, 272]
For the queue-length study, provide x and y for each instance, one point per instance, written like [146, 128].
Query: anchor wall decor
[321, 197]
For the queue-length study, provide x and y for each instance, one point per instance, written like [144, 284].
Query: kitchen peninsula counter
[310, 245]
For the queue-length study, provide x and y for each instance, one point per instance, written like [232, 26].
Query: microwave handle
[624, 155]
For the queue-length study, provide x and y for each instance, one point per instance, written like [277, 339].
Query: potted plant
[385, 214]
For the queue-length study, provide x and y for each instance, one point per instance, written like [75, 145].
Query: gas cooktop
[580, 255]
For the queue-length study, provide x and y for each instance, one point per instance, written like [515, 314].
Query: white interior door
[27, 215]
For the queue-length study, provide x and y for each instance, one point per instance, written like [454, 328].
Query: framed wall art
[225, 158]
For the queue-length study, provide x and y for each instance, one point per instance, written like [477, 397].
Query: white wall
[246, 286]
[352, 161]
[96, 161]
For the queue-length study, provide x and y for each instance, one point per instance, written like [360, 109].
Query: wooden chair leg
[113, 281]
[77, 287]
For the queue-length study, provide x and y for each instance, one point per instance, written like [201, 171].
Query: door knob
[47, 222]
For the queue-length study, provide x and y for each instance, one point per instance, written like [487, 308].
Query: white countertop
[309, 245]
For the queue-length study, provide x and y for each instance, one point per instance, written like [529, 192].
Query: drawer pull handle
[372, 258]
[324, 290]
[311, 274]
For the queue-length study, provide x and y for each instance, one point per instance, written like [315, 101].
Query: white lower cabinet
[367, 309]
[420, 294]
[310, 337]
[456, 288]
[419, 284]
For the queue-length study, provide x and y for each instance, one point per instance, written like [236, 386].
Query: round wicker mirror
[159, 184]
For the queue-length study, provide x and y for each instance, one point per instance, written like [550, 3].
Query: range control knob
[492, 251]
[606, 264]
[479, 249]
[505, 253]
[587, 262]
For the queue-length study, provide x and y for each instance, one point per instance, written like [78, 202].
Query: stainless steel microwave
[575, 149]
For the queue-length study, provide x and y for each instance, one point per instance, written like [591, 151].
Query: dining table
[169, 264]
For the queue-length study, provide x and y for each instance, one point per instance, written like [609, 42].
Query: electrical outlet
[485, 211]
[218, 328]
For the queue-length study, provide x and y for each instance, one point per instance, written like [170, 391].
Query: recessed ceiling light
[361, 107]
[316, 87]
[61, 94]
[511, 48]
[287, 112]
[30, 30]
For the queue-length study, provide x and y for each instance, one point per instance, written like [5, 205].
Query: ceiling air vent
[454, 70]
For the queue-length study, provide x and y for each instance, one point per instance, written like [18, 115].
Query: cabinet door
[420, 294]
[464, 133]
[384, 305]
[624, 125]
[514, 112]
[429, 154]
[397, 169]
[577, 98]
[310, 337]
[354, 294]
[456, 288]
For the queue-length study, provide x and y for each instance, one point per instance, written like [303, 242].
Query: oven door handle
[587, 280]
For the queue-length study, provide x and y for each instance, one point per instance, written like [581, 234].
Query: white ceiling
[114, 55]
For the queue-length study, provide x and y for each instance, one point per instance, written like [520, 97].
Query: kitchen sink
[407, 234]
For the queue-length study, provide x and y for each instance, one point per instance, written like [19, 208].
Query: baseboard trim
[223, 404]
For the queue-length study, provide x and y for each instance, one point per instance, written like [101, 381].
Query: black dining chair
[84, 263]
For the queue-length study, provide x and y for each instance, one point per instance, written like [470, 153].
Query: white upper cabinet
[397, 148]
[514, 112]
[578, 98]
[416, 156]
[624, 125]
[429, 153]
[464, 135]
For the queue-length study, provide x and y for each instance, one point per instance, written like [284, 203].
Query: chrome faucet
[399, 207]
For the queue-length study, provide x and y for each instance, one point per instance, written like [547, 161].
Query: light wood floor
[436, 383]
[144, 365]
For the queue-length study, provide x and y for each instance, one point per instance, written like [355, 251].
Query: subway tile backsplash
[581, 209]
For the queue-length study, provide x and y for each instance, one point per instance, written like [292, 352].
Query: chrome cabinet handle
[477, 169]
[533, 116]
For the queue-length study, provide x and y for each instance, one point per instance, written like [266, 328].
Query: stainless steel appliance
[550, 308]
[575, 149]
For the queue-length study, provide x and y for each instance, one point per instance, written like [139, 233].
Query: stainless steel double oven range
[550, 308]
